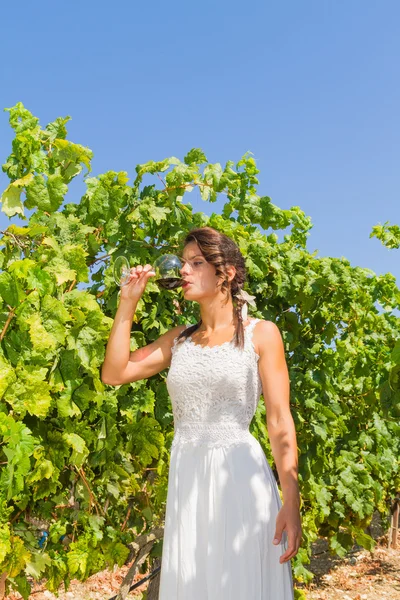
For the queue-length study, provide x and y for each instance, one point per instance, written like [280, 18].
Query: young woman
[227, 535]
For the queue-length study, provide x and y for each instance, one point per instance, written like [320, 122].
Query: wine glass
[166, 267]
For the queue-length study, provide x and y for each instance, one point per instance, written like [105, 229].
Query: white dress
[222, 498]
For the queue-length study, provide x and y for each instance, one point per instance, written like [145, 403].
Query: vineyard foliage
[84, 465]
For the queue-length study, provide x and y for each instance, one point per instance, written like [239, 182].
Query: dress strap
[175, 340]
[251, 325]
[249, 330]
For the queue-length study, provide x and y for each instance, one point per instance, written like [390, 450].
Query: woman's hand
[139, 277]
[288, 519]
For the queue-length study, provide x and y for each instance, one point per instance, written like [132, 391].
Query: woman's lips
[185, 284]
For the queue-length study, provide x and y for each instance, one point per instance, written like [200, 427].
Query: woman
[227, 535]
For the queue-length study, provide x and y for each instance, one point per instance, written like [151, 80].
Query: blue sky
[312, 88]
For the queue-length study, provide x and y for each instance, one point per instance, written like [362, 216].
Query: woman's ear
[231, 271]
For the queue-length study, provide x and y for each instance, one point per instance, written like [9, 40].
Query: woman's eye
[198, 263]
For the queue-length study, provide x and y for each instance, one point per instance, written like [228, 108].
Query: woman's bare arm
[118, 345]
[123, 366]
[276, 391]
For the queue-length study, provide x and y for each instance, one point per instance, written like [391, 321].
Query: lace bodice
[214, 390]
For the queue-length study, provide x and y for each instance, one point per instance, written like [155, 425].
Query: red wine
[170, 283]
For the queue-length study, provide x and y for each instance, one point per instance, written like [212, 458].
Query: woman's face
[203, 282]
[198, 272]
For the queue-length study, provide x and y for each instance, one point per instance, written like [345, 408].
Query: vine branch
[8, 321]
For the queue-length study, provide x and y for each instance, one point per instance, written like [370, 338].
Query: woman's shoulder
[177, 330]
[266, 327]
[270, 323]
[267, 335]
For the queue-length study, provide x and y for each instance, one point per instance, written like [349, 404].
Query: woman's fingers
[133, 274]
[140, 271]
[149, 269]
[294, 543]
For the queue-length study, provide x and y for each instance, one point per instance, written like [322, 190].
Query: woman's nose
[184, 268]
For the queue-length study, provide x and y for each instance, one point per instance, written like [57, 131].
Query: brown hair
[220, 250]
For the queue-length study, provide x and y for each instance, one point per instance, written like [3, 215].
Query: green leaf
[96, 523]
[88, 345]
[79, 449]
[146, 440]
[23, 586]
[44, 469]
[56, 189]
[10, 289]
[5, 543]
[319, 430]
[212, 175]
[11, 201]
[195, 156]
[60, 269]
[36, 566]
[65, 405]
[17, 559]
[7, 376]
[56, 572]
[365, 540]
[116, 554]
[84, 559]
[75, 256]
[11, 198]
[41, 339]
[159, 213]
[47, 195]
[18, 446]
[71, 157]
[21, 118]
[30, 393]
[57, 129]
[37, 195]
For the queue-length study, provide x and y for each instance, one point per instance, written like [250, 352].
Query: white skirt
[220, 519]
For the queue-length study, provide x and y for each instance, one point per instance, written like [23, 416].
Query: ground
[361, 575]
